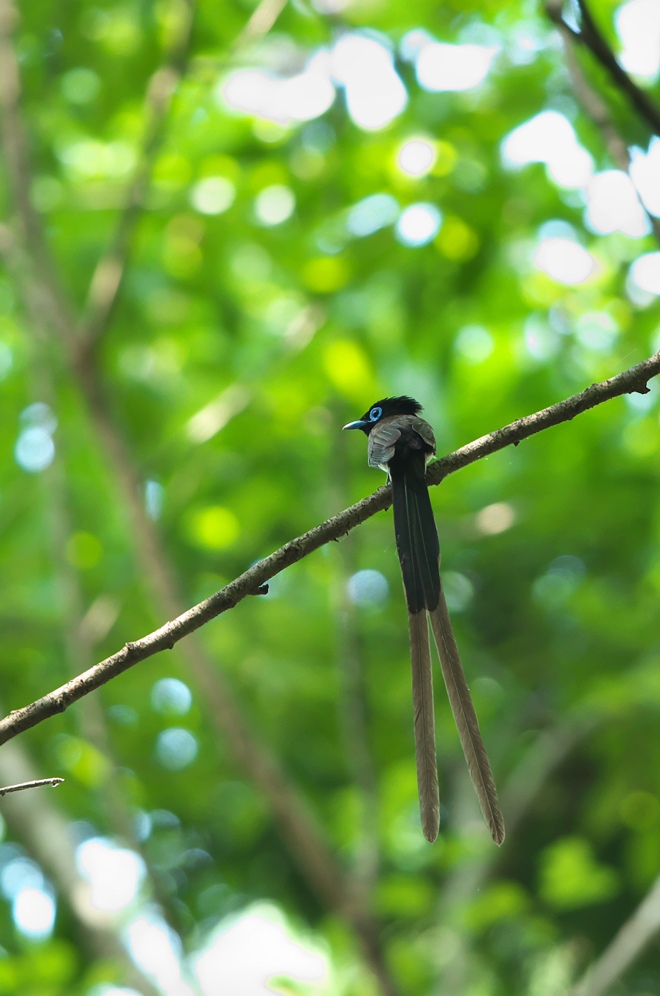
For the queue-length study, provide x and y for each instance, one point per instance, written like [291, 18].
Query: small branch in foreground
[251, 581]
[35, 783]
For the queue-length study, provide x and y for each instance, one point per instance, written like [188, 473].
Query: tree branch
[633, 380]
[591, 37]
[35, 783]
[298, 827]
[591, 101]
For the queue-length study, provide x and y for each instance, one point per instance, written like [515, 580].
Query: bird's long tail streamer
[419, 555]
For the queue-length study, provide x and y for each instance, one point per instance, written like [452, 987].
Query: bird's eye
[375, 414]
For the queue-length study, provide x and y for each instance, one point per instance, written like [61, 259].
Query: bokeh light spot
[565, 261]
[279, 100]
[453, 67]
[638, 25]
[570, 876]
[273, 205]
[371, 214]
[613, 206]
[416, 157]
[20, 873]
[644, 171]
[375, 94]
[171, 697]
[645, 272]
[368, 587]
[114, 873]
[495, 519]
[213, 527]
[80, 85]
[154, 495]
[418, 224]
[176, 748]
[213, 195]
[34, 450]
[549, 138]
[33, 912]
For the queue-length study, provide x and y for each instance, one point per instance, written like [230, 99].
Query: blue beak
[360, 424]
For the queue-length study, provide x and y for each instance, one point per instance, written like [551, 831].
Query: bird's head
[402, 405]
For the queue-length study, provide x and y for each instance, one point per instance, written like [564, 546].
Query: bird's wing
[382, 440]
[420, 426]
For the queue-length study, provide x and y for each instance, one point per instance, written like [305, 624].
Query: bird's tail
[419, 550]
[466, 720]
[419, 554]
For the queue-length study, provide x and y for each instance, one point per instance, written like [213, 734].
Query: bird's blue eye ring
[375, 414]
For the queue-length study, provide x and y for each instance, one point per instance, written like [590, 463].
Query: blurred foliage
[235, 353]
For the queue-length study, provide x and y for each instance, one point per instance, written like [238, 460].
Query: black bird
[401, 443]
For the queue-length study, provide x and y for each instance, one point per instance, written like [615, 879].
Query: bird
[402, 443]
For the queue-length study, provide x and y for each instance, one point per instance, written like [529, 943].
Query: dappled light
[638, 26]
[418, 224]
[368, 587]
[452, 67]
[565, 260]
[417, 157]
[262, 938]
[114, 874]
[550, 138]
[226, 231]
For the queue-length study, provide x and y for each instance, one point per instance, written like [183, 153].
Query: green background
[557, 616]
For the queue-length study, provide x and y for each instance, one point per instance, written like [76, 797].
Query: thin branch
[298, 826]
[628, 944]
[633, 380]
[36, 820]
[591, 100]
[591, 37]
[35, 783]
